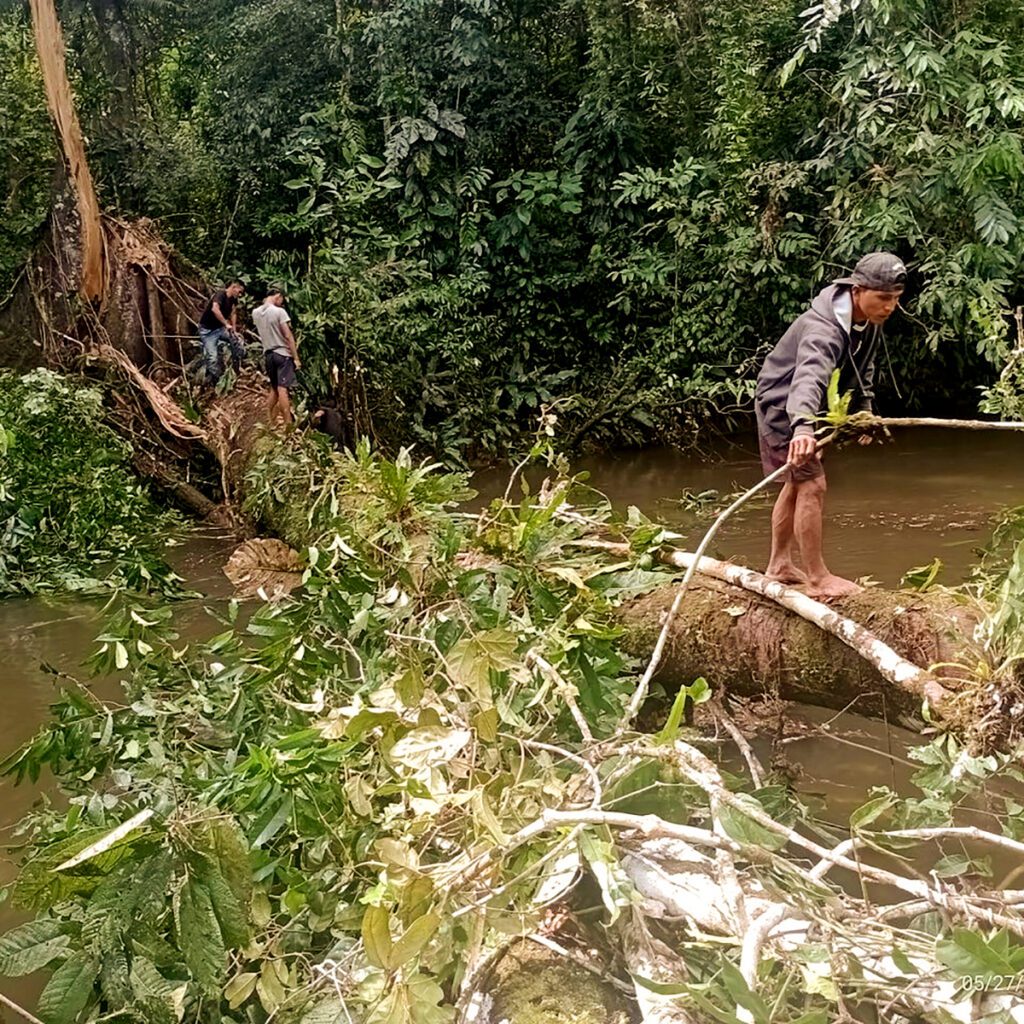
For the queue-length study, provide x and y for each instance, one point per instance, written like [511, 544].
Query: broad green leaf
[68, 991]
[416, 936]
[966, 953]
[230, 851]
[199, 935]
[903, 963]
[615, 887]
[239, 988]
[742, 995]
[109, 841]
[429, 745]
[148, 983]
[871, 811]
[269, 987]
[232, 917]
[376, 933]
[745, 830]
[473, 658]
[31, 947]
[486, 724]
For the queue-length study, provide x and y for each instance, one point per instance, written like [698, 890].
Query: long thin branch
[640, 694]
[754, 765]
[696, 767]
[533, 659]
[19, 1010]
[934, 421]
[890, 665]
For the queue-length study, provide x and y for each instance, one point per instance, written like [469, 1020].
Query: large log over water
[747, 645]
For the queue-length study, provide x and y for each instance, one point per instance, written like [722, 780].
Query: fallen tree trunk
[749, 645]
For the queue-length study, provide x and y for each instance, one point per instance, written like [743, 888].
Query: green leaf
[269, 987]
[966, 953]
[199, 935]
[239, 988]
[871, 811]
[415, 937]
[275, 822]
[473, 658]
[675, 718]
[662, 988]
[31, 947]
[429, 745]
[229, 850]
[232, 917]
[376, 933]
[745, 830]
[737, 987]
[68, 991]
[148, 983]
[615, 887]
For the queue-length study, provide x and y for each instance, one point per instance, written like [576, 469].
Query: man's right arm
[817, 357]
[293, 345]
[215, 306]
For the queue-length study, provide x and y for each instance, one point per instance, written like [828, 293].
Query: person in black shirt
[218, 329]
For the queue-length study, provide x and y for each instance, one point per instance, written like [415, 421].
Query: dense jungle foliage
[334, 808]
[73, 514]
[481, 206]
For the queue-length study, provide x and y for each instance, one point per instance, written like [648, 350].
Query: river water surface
[890, 508]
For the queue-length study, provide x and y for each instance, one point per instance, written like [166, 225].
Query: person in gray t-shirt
[280, 352]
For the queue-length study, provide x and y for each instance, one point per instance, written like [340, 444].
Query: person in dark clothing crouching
[218, 329]
[842, 329]
[280, 352]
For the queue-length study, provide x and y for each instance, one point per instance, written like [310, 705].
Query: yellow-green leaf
[239, 988]
[416, 936]
[376, 932]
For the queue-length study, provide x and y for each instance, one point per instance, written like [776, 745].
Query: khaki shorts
[774, 456]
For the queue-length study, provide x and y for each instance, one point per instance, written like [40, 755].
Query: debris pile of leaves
[73, 515]
[343, 806]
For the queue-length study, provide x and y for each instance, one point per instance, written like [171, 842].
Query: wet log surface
[747, 645]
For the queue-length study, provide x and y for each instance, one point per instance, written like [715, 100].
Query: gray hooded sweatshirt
[792, 384]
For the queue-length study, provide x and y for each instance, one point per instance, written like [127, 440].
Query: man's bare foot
[785, 572]
[831, 586]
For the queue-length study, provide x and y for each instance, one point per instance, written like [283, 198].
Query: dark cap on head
[880, 271]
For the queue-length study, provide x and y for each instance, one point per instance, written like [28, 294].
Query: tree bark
[92, 282]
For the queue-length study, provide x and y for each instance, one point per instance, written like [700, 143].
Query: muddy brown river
[890, 508]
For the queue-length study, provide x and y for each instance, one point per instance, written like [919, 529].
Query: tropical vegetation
[481, 207]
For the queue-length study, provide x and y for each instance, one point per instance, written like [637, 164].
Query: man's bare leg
[781, 564]
[807, 523]
[272, 406]
[284, 406]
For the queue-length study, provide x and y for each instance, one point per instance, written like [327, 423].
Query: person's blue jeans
[213, 341]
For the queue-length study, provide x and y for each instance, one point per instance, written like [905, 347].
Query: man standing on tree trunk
[218, 327]
[842, 330]
[280, 352]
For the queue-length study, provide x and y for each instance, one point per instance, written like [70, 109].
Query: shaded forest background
[482, 207]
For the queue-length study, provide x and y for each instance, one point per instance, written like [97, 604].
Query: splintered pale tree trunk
[50, 46]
